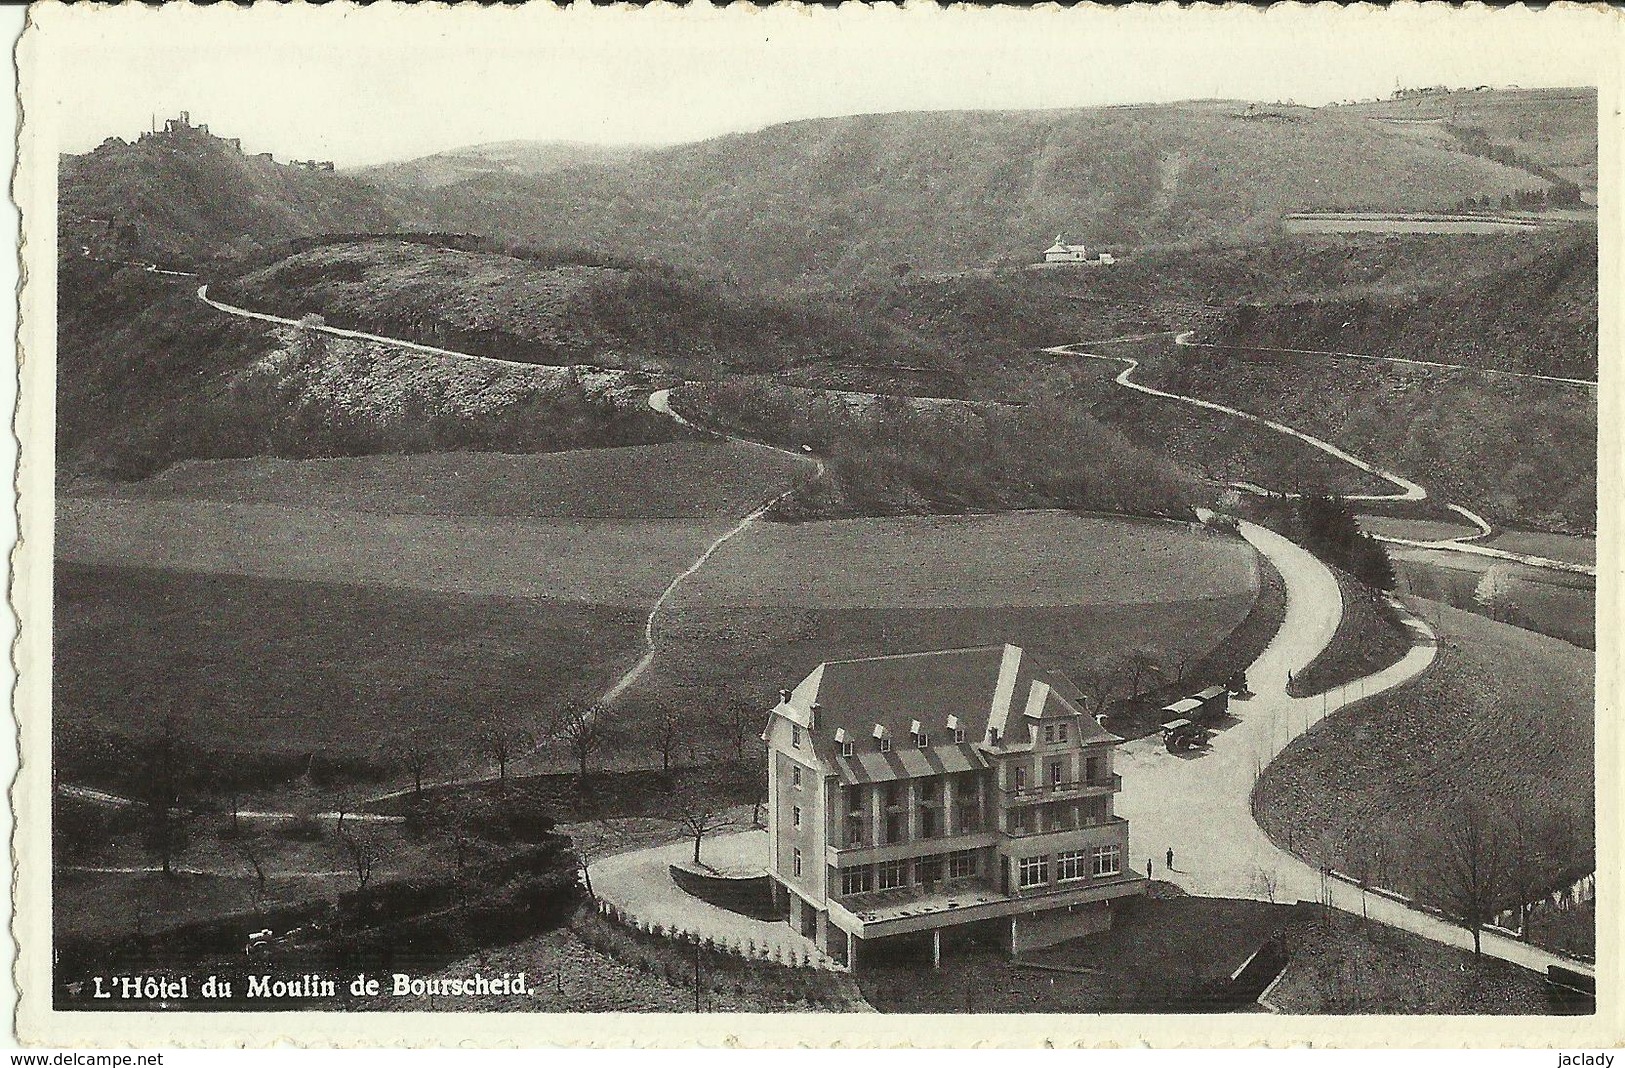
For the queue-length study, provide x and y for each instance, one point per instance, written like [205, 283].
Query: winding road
[1404, 488]
[1198, 804]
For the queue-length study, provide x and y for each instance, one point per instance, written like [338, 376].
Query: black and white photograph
[806, 516]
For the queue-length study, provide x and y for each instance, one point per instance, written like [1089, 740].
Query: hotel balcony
[870, 852]
[918, 908]
[1060, 791]
[1038, 831]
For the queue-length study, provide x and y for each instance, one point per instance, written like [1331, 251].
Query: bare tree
[1467, 871]
[503, 743]
[1141, 663]
[419, 752]
[1267, 881]
[362, 858]
[1098, 681]
[737, 721]
[668, 728]
[586, 730]
[700, 814]
[246, 849]
[166, 793]
[1496, 592]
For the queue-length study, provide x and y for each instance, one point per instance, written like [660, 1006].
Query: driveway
[1199, 805]
[639, 884]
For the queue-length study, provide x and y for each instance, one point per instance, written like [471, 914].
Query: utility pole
[696, 975]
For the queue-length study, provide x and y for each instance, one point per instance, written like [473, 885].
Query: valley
[445, 498]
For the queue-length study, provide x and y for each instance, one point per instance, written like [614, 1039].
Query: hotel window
[1055, 773]
[1034, 871]
[854, 798]
[857, 880]
[1060, 732]
[928, 870]
[795, 736]
[795, 776]
[1091, 768]
[854, 828]
[894, 828]
[797, 861]
[1019, 779]
[928, 822]
[962, 865]
[1095, 809]
[970, 816]
[1070, 866]
[1018, 820]
[795, 816]
[1106, 860]
[1049, 733]
[893, 874]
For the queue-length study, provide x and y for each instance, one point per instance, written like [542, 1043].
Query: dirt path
[660, 401]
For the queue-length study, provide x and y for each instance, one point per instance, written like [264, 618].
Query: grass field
[602, 561]
[1341, 965]
[1415, 529]
[1575, 549]
[1018, 559]
[679, 480]
[1553, 603]
[1503, 719]
[263, 665]
[1075, 591]
[1367, 640]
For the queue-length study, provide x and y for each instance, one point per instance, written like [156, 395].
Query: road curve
[1407, 489]
[1199, 805]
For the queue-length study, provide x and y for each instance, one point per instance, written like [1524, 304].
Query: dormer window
[843, 741]
[795, 736]
[1060, 733]
[959, 735]
[920, 740]
[1049, 734]
[885, 744]
[846, 749]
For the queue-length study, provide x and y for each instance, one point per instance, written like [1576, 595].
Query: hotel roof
[983, 689]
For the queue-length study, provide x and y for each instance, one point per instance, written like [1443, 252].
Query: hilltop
[511, 158]
[1549, 131]
[876, 194]
[557, 306]
[183, 196]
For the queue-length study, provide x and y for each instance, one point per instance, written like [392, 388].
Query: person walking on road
[1170, 858]
[1148, 867]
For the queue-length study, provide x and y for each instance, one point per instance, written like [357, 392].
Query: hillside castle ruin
[181, 130]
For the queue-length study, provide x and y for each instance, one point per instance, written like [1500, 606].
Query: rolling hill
[512, 158]
[862, 196]
[185, 197]
[552, 307]
[1552, 130]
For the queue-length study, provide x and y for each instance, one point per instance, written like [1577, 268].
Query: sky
[365, 85]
